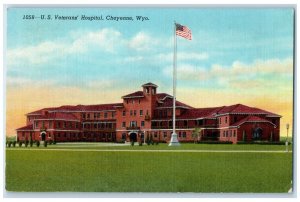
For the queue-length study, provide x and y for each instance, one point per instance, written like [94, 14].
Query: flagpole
[174, 139]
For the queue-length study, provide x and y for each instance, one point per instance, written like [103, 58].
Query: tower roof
[149, 84]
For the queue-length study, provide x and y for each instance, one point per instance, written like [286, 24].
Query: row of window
[133, 124]
[134, 112]
[155, 135]
[229, 133]
[97, 115]
[99, 125]
[58, 124]
[80, 135]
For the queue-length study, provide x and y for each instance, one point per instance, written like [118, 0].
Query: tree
[195, 134]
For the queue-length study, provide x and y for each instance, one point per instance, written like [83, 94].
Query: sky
[236, 55]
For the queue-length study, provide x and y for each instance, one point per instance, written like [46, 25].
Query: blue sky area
[121, 52]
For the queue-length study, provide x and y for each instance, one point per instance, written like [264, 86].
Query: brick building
[148, 113]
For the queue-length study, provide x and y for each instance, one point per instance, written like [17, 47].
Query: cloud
[260, 73]
[103, 40]
[142, 42]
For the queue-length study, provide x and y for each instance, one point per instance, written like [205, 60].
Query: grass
[163, 146]
[107, 171]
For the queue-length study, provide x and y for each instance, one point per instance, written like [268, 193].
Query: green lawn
[108, 171]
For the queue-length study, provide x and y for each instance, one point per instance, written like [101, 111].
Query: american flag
[183, 31]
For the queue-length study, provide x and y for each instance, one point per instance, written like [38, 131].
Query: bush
[140, 143]
[37, 143]
[122, 141]
[9, 143]
[156, 143]
[14, 143]
[263, 143]
[26, 143]
[20, 144]
[31, 143]
[132, 143]
[45, 143]
[6, 143]
[50, 142]
[54, 142]
[214, 142]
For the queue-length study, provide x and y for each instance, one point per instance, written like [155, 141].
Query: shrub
[156, 143]
[31, 143]
[54, 142]
[20, 144]
[121, 141]
[132, 143]
[6, 143]
[140, 143]
[45, 143]
[214, 142]
[37, 143]
[263, 143]
[14, 143]
[50, 142]
[9, 143]
[26, 143]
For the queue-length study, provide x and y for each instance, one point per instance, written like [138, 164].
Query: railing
[180, 127]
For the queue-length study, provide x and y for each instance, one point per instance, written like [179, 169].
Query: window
[139, 101]
[124, 113]
[165, 135]
[36, 124]
[70, 125]
[49, 135]
[147, 113]
[98, 115]
[23, 134]
[225, 119]
[105, 114]
[95, 115]
[155, 134]
[131, 112]
[43, 124]
[223, 133]
[113, 114]
[58, 134]
[227, 133]
[220, 120]
[133, 123]
[65, 135]
[132, 101]
[95, 125]
[134, 112]
[234, 133]
[123, 124]
[147, 90]
[141, 112]
[65, 124]
[58, 125]
[185, 123]
[127, 101]
[184, 134]
[76, 125]
[83, 115]
[230, 133]
[142, 123]
[179, 135]
[50, 124]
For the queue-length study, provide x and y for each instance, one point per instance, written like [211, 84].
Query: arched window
[257, 133]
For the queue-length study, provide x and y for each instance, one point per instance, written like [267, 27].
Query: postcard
[149, 99]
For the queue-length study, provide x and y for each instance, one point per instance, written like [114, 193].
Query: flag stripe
[183, 31]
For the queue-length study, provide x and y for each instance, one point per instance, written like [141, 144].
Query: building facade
[147, 113]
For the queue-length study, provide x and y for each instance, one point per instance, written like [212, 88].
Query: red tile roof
[135, 94]
[58, 115]
[99, 107]
[161, 96]
[252, 118]
[240, 108]
[28, 127]
[168, 102]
